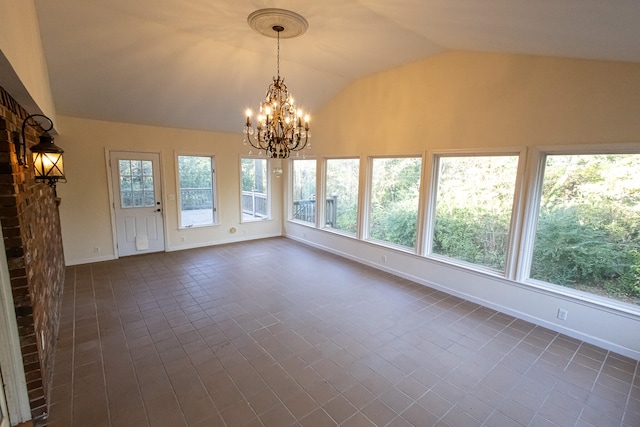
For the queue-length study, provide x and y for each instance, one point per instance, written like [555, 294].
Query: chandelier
[280, 127]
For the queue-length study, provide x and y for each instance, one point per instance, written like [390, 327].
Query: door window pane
[132, 192]
[395, 188]
[473, 208]
[341, 211]
[255, 194]
[588, 231]
[197, 201]
[304, 190]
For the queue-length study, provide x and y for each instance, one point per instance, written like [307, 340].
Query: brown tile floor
[273, 333]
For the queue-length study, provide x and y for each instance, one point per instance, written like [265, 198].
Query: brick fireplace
[31, 228]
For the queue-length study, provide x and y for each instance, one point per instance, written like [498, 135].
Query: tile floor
[236, 335]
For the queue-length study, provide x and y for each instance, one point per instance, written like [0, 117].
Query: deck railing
[254, 204]
[305, 210]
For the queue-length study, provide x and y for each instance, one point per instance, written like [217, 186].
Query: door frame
[111, 191]
[4, 410]
[13, 376]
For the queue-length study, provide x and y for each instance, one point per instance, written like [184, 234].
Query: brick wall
[33, 241]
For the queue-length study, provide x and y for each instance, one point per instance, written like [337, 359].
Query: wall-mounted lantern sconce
[47, 156]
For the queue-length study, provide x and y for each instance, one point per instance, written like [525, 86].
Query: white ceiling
[197, 64]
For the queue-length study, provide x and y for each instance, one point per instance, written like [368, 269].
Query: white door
[137, 202]
[4, 417]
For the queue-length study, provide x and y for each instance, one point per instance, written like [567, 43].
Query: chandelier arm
[299, 140]
[255, 144]
[306, 141]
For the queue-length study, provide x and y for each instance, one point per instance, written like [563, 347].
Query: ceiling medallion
[264, 20]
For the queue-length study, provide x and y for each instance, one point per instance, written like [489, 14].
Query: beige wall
[463, 99]
[23, 68]
[86, 212]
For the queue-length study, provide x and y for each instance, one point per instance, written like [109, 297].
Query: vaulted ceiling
[197, 64]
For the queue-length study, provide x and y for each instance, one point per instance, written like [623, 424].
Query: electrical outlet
[183, 239]
[562, 314]
[384, 258]
[96, 249]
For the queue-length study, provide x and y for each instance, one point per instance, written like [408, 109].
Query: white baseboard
[81, 261]
[221, 242]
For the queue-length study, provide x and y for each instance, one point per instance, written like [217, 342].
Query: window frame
[268, 189]
[535, 180]
[214, 188]
[323, 178]
[143, 191]
[365, 234]
[319, 190]
[517, 208]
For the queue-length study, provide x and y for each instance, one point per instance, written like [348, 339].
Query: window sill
[191, 227]
[250, 221]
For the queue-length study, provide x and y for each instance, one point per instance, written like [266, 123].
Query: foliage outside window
[395, 191]
[197, 198]
[254, 194]
[341, 212]
[588, 230]
[304, 190]
[473, 208]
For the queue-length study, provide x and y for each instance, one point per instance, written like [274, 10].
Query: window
[197, 197]
[136, 184]
[588, 233]
[395, 189]
[255, 193]
[474, 201]
[341, 211]
[304, 190]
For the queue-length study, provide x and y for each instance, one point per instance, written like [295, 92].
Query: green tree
[196, 182]
[588, 233]
[394, 200]
[473, 208]
[342, 187]
[195, 172]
